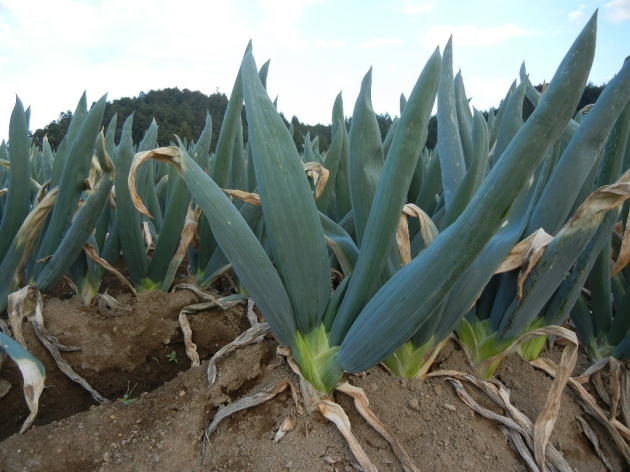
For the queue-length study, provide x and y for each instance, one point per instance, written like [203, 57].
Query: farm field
[253, 304]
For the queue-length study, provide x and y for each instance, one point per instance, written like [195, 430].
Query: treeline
[177, 112]
[183, 113]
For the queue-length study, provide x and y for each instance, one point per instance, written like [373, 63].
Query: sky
[53, 51]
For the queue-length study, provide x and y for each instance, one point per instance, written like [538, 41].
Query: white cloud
[52, 53]
[414, 7]
[617, 10]
[380, 43]
[578, 14]
[486, 92]
[329, 43]
[473, 35]
[105, 30]
[280, 22]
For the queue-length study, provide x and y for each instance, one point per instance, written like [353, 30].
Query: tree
[55, 130]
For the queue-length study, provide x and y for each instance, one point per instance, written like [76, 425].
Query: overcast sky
[52, 51]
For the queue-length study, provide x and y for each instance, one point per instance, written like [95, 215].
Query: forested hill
[183, 113]
[177, 112]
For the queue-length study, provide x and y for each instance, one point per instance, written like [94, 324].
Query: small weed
[126, 398]
[172, 357]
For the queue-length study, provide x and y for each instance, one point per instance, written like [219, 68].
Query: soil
[160, 406]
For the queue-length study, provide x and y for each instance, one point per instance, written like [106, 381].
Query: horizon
[52, 52]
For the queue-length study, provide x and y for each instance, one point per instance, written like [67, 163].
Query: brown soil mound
[160, 406]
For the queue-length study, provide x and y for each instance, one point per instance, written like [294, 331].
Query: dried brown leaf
[33, 380]
[526, 254]
[288, 424]
[148, 238]
[615, 387]
[430, 359]
[521, 447]
[211, 300]
[598, 383]
[403, 240]
[168, 154]
[253, 335]
[310, 395]
[188, 233]
[319, 174]
[592, 437]
[27, 302]
[624, 253]
[428, 230]
[334, 413]
[247, 197]
[600, 201]
[43, 336]
[524, 250]
[592, 369]
[518, 426]
[617, 431]
[91, 252]
[545, 422]
[486, 413]
[243, 404]
[28, 233]
[210, 303]
[42, 192]
[362, 404]
[16, 303]
[113, 306]
[189, 345]
[251, 314]
[332, 459]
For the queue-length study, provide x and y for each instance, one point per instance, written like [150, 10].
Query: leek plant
[17, 202]
[148, 263]
[33, 373]
[46, 224]
[601, 314]
[381, 303]
[20, 224]
[15, 225]
[151, 248]
[444, 182]
[294, 291]
[32, 214]
[590, 155]
[227, 166]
